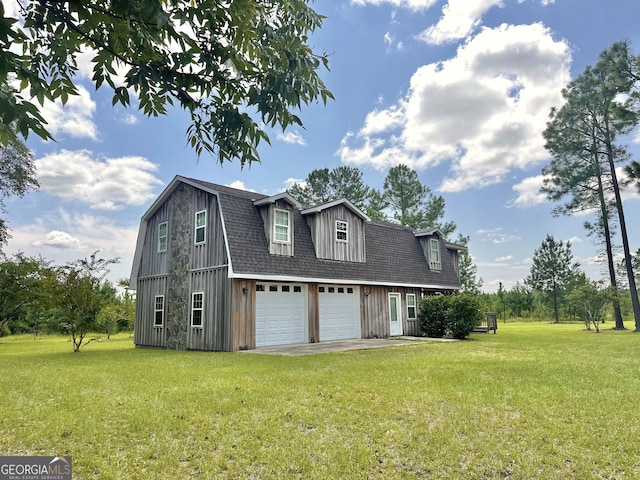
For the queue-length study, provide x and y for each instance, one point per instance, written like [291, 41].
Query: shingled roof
[393, 253]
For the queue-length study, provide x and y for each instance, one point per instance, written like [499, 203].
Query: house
[217, 268]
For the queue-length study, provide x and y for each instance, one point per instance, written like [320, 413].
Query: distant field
[534, 401]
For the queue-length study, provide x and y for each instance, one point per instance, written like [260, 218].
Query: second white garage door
[339, 312]
[280, 314]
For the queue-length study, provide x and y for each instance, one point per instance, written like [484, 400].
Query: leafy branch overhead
[234, 66]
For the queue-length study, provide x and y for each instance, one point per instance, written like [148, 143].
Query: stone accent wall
[178, 299]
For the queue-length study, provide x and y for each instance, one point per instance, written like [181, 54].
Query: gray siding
[215, 333]
[267, 213]
[184, 269]
[323, 232]
[145, 334]
[374, 310]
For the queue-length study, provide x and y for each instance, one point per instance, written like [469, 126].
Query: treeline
[37, 297]
[521, 303]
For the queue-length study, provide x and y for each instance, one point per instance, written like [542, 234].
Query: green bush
[432, 319]
[455, 316]
[463, 315]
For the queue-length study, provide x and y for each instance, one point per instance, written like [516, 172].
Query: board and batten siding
[215, 332]
[145, 333]
[323, 231]
[183, 269]
[267, 213]
[374, 309]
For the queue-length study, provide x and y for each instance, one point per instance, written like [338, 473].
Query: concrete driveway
[340, 346]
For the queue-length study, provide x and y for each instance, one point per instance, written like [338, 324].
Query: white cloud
[483, 110]
[294, 138]
[459, 19]
[506, 258]
[58, 239]
[74, 119]
[496, 236]
[239, 184]
[63, 237]
[573, 240]
[129, 119]
[290, 182]
[104, 184]
[529, 193]
[410, 4]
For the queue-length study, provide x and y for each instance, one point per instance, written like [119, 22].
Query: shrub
[463, 315]
[432, 313]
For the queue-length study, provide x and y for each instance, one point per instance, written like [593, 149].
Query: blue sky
[458, 90]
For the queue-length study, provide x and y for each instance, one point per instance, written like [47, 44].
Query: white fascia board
[280, 196]
[324, 206]
[332, 281]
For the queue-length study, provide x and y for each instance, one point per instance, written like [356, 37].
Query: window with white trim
[163, 228]
[434, 254]
[411, 306]
[342, 230]
[201, 226]
[197, 307]
[282, 226]
[158, 317]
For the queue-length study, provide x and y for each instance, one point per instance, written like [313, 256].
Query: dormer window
[282, 226]
[434, 254]
[342, 230]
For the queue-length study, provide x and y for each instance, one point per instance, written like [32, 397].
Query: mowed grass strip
[534, 401]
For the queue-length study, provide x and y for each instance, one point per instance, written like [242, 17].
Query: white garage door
[339, 312]
[280, 314]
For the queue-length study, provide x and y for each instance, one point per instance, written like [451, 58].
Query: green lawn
[534, 401]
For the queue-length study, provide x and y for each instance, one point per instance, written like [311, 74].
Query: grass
[534, 401]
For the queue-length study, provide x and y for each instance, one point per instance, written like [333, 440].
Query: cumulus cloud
[103, 183]
[529, 194]
[459, 19]
[410, 4]
[483, 110]
[294, 138]
[496, 236]
[74, 119]
[505, 258]
[58, 239]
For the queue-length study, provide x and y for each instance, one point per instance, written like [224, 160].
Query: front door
[395, 314]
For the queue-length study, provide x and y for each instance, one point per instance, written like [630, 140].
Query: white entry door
[395, 314]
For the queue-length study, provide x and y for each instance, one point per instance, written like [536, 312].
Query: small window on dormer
[282, 226]
[342, 229]
[434, 254]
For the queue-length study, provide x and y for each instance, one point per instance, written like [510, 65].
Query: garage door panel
[339, 312]
[280, 315]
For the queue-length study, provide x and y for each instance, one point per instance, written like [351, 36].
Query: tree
[633, 171]
[468, 270]
[17, 176]
[582, 137]
[324, 185]
[222, 62]
[413, 203]
[19, 279]
[520, 301]
[553, 268]
[81, 296]
[590, 299]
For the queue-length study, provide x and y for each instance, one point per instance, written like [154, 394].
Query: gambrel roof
[394, 255]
